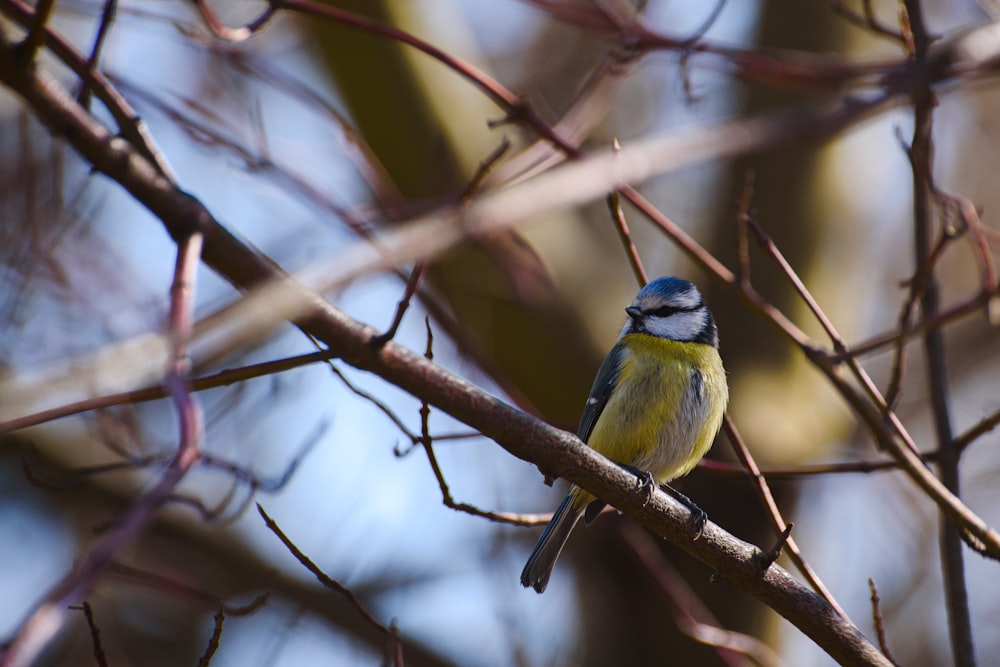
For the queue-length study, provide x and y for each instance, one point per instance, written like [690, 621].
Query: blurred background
[310, 134]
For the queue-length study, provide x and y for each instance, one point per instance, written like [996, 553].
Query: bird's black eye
[664, 311]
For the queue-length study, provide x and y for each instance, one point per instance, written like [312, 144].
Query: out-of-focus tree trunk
[529, 334]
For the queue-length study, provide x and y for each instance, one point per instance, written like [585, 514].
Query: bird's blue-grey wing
[604, 385]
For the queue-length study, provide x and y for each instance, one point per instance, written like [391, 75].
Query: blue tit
[656, 404]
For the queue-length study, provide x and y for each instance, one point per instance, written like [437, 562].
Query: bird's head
[671, 308]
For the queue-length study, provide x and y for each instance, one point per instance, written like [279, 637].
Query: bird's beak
[634, 312]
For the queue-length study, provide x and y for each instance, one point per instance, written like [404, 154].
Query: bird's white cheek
[679, 326]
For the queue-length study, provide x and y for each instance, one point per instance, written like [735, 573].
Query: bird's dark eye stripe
[667, 311]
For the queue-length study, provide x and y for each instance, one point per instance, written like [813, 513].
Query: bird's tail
[541, 561]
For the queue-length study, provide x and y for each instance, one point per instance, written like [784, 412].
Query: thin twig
[324, 579]
[985, 425]
[768, 245]
[427, 442]
[727, 469]
[918, 285]
[768, 558]
[412, 283]
[893, 391]
[175, 588]
[394, 647]
[242, 475]
[977, 232]
[944, 316]
[221, 379]
[624, 234]
[130, 126]
[764, 492]
[95, 634]
[867, 19]
[690, 614]
[272, 484]
[374, 400]
[485, 168]
[94, 61]
[887, 426]
[879, 622]
[213, 642]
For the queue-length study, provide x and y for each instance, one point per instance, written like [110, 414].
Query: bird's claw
[647, 484]
[644, 482]
[697, 517]
[698, 520]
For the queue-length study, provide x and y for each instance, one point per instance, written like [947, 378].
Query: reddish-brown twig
[690, 614]
[220, 379]
[175, 588]
[625, 235]
[764, 492]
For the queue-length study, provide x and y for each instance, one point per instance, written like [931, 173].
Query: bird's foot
[698, 519]
[645, 482]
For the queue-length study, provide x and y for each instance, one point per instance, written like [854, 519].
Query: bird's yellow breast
[666, 408]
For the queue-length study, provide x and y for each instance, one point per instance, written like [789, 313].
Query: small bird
[655, 407]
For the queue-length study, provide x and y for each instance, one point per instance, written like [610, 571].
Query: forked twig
[426, 442]
[328, 582]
